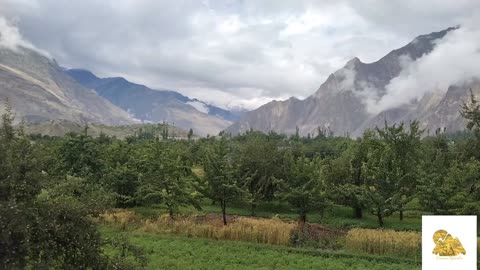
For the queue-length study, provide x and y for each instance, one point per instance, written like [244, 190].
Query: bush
[317, 236]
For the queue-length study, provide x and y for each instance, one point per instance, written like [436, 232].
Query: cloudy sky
[231, 52]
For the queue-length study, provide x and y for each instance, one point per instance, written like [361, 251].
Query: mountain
[151, 105]
[338, 105]
[38, 89]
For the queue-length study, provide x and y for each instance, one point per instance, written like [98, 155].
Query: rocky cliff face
[339, 103]
[38, 90]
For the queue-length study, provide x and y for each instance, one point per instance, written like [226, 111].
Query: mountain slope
[156, 106]
[339, 103]
[39, 90]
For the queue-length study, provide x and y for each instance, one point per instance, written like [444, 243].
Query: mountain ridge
[38, 90]
[339, 103]
[151, 105]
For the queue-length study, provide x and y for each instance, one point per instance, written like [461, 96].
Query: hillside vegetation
[255, 200]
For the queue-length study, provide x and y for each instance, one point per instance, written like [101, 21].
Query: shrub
[317, 236]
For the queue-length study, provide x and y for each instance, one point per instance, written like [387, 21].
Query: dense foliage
[51, 187]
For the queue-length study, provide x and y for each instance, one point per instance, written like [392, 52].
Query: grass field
[337, 216]
[174, 252]
[178, 251]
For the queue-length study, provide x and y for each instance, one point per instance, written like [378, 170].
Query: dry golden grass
[119, 218]
[383, 242]
[268, 231]
[198, 171]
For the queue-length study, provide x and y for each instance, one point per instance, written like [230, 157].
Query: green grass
[338, 216]
[174, 252]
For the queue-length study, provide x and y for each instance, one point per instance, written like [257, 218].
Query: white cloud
[346, 76]
[10, 37]
[454, 60]
[199, 106]
[237, 52]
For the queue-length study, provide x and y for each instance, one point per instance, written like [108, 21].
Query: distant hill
[150, 105]
[39, 90]
[61, 127]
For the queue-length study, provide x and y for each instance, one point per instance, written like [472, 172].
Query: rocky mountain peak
[340, 100]
[353, 63]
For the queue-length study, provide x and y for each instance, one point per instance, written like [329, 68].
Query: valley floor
[176, 248]
[166, 251]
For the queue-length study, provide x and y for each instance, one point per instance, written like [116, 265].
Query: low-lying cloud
[10, 37]
[454, 60]
[230, 53]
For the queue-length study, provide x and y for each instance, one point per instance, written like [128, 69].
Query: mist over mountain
[422, 80]
[425, 80]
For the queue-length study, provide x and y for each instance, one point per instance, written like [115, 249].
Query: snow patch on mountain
[200, 106]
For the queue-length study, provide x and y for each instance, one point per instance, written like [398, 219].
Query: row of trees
[49, 187]
[380, 172]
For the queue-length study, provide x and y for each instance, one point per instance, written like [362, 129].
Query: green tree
[167, 176]
[80, 156]
[121, 175]
[471, 113]
[392, 168]
[258, 161]
[463, 180]
[221, 175]
[346, 174]
[165, 134]
[304, 187]
[404, 145]
[433, 191]
[190, 134]
[36, 233]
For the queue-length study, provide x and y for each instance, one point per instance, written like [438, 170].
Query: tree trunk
[171, 213]
[303, 217]
[357, 212]
[224, 212]
[401, 215]
[253, 206]
[380, 218]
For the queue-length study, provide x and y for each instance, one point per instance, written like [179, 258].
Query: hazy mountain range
[39, 90]
[148, 105]
[342, 103]
[352, 99]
